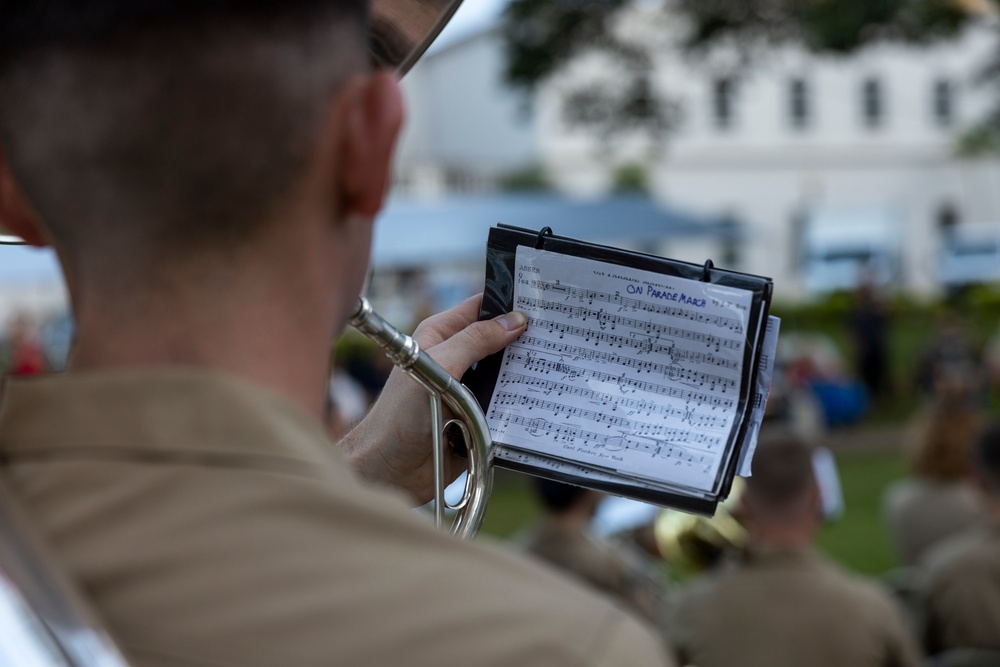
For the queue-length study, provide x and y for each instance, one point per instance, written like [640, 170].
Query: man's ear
[372, 121]
[16, 214]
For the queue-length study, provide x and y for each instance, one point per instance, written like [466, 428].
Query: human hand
[392, 444]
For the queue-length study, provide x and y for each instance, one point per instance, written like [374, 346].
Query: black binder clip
[540, 241]
[707, 272]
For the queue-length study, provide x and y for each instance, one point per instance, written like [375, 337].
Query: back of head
[986, 460]
[158, 125]
[557, 497]
[945, 439]
[783, 482]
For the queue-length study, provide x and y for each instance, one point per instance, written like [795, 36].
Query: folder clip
[707, 273]
[540, 241]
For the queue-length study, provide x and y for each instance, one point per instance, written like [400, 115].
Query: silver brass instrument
[470, 421]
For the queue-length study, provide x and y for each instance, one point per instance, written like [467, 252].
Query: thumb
[478, 340]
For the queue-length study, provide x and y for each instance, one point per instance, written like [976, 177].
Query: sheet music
[621, 369]
[765, 372]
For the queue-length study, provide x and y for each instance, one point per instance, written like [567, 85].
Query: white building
[798, 137]
[794, 143]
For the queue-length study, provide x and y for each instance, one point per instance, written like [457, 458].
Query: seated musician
[207, 172]
[786, 605]
[938, 500]
[564, 538]
[962, 574]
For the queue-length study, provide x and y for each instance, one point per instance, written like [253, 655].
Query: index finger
[443, 326]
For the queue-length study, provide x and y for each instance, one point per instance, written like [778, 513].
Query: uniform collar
[182, 410]
[766, 554]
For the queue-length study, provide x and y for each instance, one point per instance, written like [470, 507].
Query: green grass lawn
[857, 540]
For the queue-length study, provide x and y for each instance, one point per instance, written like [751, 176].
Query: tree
[543, 36]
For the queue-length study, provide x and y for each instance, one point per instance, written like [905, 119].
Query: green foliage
[831, 26]
[630, 178]
[529, 179]
[982, 140]
[541, 36]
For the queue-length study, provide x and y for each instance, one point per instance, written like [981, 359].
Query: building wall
[766, 172]
[465, 128]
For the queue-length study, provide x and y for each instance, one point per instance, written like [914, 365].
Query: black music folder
[638, 375]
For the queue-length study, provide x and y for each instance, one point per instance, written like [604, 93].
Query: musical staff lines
[625, 302]
[683, 449]
[675, 354]
[630, 405]
[640, 343]
[532, 361]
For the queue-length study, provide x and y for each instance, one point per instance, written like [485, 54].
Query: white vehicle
[842, 248]
[970, 254]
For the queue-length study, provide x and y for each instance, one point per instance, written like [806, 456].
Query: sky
[24, 264]
[471, 17]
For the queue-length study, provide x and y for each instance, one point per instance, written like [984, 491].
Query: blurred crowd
[762, 594]
[31, 345]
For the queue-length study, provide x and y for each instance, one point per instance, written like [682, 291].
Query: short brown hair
[172, 124]
[943, 443]
[782, 471]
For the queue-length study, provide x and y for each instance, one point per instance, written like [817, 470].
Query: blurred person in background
[786, 605]
[937, 500]
[348, 401]
[952, 362]
[814, 374]
[27, 355]
[869, 326]
[563, 537]
[961, 576]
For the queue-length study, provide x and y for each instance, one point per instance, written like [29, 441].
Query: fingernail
[512, 321]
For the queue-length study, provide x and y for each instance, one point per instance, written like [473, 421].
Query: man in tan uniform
[207, 172]
[962, 575]
[786, 605]
[563, 537]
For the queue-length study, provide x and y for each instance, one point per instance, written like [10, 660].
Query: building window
[798, 103]
[943, 103]
[729, 252]
[947, 220]
[872, 103]
[723, 100]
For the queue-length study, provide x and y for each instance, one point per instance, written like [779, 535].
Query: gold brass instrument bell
[699, 542]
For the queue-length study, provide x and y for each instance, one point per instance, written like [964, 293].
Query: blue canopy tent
[424, 233]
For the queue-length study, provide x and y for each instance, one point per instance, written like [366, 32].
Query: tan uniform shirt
[962, 592]
[211, 525]
[921, 513]
[600, 564]
[789, 608]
